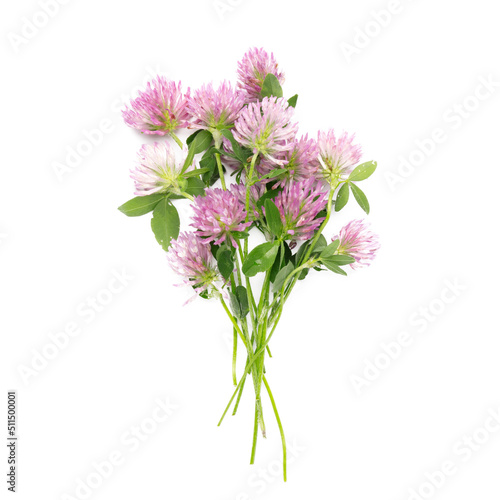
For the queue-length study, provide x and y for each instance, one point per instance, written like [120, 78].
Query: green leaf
[363, 171]
[190, 139]
[342, 197]
[240, 235]
[268, 195]
[293, 100]
[274, 173]
[239, 302]
[320, 244]
[273, 218]
[300, 252]
[141, 205]
[225, 262]
[235, 305]
[237, 149]
[241, 293]
[360, 198]
[196, 172]
[282, 276]
[271, 87]
[201, 142]
[284, 256]
[260, 259]
[198, 142]
[304, 273]
[209, 162]
[341, 260]
[334, 267]
[330, 249]
[195, 187]
[165, 223]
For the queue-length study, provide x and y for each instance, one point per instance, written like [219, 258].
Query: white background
[61, 240]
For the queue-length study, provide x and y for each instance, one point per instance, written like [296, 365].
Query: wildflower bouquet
[286, 187]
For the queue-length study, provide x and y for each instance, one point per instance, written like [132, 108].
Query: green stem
[249, 180]
[250, 297]
[235, 324]
[177, 140]
[255, 372]
[221, 171]
[240, 392]
[235, 349]
[283, 442]
[187, 195]
[248, 367]
[255, 434]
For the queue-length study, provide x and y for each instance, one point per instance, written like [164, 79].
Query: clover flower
[338, 156]
[158, 170]
[299, 204]
[300, 162]
[357, 241]
[252, 71]
[193, 261]
[160, 109]
[218, 214]
[265, 128]
[215, 109]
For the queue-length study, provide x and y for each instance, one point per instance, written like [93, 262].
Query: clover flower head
[359, 242]
[338, 156]
[158, 170]
[218, 214]
[193, 261]
[299, 205]
[252, 71]
[265, 128]
[215, 109]
[160, 109]
[300, 162]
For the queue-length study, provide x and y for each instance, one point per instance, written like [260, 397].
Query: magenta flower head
[267, 129]
[252, 71]
[193, 261]
[299, 204]
[159, 110]
[357, 241]
[158, 170]
[338, 156]
[300, 162]
[217, 215]
[215, 109]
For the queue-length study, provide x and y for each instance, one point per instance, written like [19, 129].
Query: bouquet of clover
[284, 186]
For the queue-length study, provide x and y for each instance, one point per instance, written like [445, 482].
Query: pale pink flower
[338, 156]
[215, 109]
[357, 241]
[158, 169]
[300, 162]
[194, 262]
[160, 109]
[252, 71]
[265, 128]
[217, 215]
[299, 204]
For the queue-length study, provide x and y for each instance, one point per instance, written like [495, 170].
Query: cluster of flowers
[285, 186]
